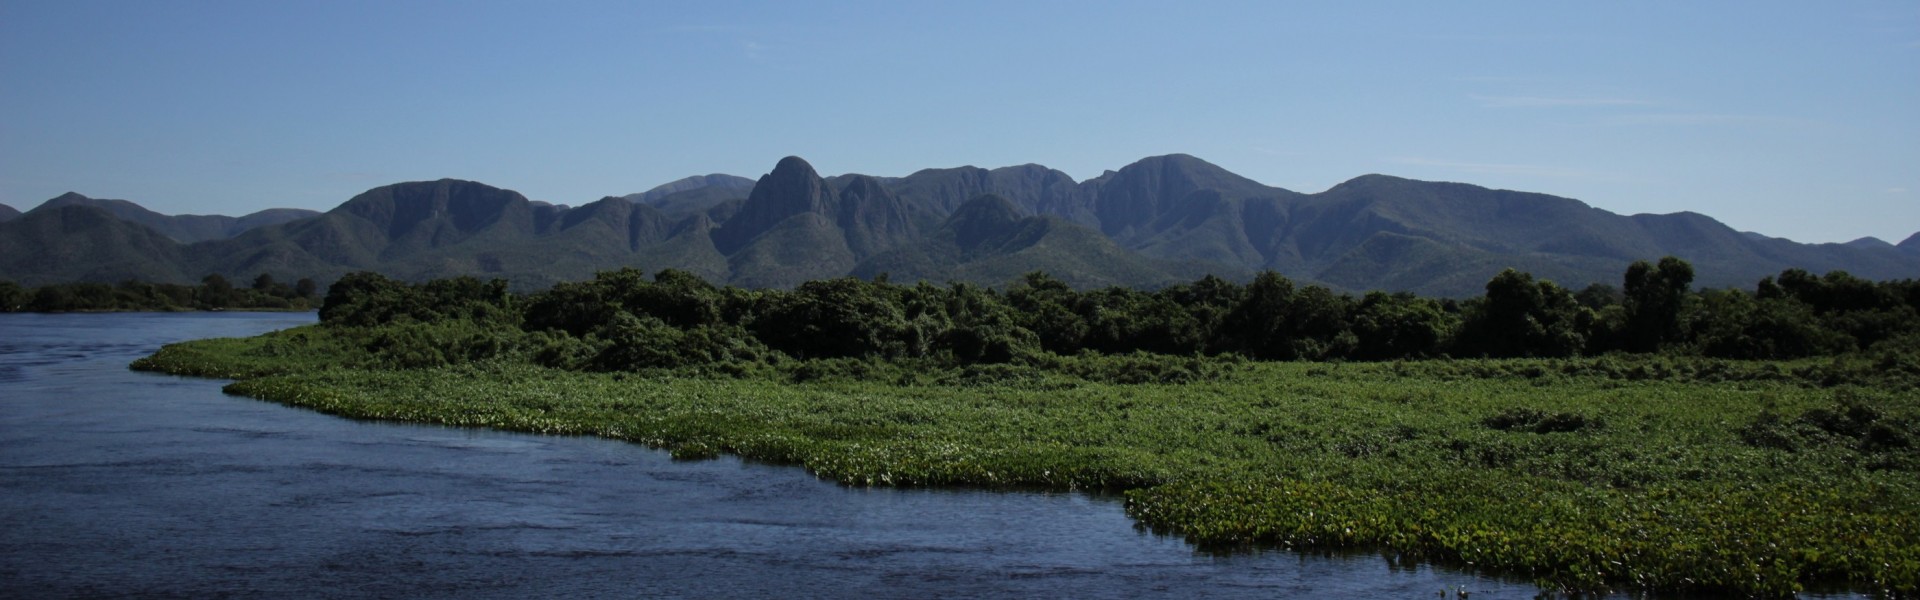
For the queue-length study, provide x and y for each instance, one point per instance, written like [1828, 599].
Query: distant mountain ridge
[8, 213]
[686, 196]
[1159, 220]
[185, 229]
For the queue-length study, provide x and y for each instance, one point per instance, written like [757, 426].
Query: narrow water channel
[122, 484]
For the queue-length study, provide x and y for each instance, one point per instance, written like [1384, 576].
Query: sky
[1792, 119]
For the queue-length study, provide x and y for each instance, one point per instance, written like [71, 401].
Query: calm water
[115, 483]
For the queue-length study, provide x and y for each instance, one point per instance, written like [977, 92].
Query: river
[122, 484]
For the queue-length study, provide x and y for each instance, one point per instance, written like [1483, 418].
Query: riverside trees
[1270, 318]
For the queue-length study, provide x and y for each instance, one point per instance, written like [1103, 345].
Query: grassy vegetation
[1615, 472]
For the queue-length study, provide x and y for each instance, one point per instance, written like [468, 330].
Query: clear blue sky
[1794, 119]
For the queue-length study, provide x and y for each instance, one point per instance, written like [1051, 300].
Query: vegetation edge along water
[214, 293]
[1664, 440]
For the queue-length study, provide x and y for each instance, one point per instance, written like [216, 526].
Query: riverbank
[1616, 473]
[173, 309]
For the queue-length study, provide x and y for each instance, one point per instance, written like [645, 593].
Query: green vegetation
[1570, 461]
[213, 293]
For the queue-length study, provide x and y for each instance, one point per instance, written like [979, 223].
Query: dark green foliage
[414, 344]
[983, 328]
[215, 293]
[1142, 368]
[1538, 421]
[1523, 317]
[1257, 326]
[843, 317]
[1654, 296]
[369, 299]
[622, 321]
[12, 296]
[1047, 307]
[364, 299]
[1598, 296]
[1394, 326]
[1873, 433]
[1735, 324]
[632, 343]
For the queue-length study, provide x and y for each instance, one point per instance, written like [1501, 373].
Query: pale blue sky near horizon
[1792, 119]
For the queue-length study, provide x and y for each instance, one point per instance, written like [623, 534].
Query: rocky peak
[792, 188]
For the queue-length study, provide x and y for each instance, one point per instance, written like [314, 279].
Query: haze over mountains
[1159, 220]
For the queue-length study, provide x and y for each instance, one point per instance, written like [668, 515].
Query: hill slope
[185, 229]
[1158, 220]
[696, 194]
[987, 241]
[85, 243]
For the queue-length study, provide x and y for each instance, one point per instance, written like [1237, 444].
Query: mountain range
[1159, 220]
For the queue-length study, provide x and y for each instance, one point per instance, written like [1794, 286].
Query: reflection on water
[121, 483]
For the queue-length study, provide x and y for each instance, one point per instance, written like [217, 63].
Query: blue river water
[122, 484]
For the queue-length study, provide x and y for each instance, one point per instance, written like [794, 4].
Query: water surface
[117, 483]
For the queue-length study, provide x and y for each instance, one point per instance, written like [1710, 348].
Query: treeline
[622, 321]
[213, 293]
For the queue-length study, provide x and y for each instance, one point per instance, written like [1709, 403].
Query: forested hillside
[1160, 220]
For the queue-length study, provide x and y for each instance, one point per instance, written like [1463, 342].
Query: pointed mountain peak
[793, 166]
[792, 188]
[793, 180]
[1911, 244]
[68, 198]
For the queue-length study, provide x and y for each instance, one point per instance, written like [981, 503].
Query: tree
[1523, 317]
[1047, 307]
[982, 328]
[366, 298]
[1208, 300]
[215, 291]
[12, 296]
[1598, 296]
[1654, 295]
[1258, 325]
[843, 317]
[1395, 326]
[1321, 325]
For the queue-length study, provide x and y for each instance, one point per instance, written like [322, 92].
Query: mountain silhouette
[185, 229]
[1161, 219]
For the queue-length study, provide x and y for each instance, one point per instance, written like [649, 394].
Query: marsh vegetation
[1589, 444]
